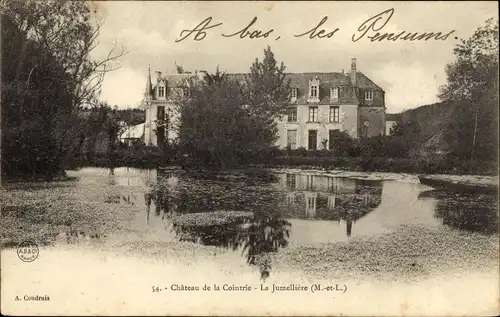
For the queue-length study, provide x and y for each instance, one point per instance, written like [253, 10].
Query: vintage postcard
[236, 158]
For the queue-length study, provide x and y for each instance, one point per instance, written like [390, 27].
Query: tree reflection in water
[257, 238]
[476, 213]
[265, 233]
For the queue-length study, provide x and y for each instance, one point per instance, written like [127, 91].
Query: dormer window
[293, 93]
[334, 93]
[368, 95]
[314, 91]
[161, 92]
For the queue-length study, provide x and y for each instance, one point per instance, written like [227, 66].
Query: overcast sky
[409, 72]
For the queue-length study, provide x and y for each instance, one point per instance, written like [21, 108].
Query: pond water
[317, 209]
[290, 209]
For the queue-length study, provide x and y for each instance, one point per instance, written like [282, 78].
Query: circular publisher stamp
[27, 251]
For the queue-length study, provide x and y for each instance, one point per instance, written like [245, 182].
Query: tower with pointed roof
[149, 86]
[160, 106]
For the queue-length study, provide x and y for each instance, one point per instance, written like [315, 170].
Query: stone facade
[321, 104]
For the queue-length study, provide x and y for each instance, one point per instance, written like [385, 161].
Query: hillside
[450, 126]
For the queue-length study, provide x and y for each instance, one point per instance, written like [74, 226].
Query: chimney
[353, 71]
[158, 75]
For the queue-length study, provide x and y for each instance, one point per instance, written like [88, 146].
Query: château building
[321, 104]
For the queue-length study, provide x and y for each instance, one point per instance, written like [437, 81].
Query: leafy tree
[268, 92]
[409, 132]
[215, 79]
[472, 85]
[48, 76]
[225, 120]
[213, 121]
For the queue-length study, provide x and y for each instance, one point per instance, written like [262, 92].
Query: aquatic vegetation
[215, 218]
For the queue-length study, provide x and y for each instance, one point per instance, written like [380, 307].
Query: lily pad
[216, 218]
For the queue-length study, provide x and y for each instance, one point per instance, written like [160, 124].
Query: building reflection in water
[311, 199]
[329, 198]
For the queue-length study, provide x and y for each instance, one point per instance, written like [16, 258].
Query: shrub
[342, 144]
[383, 146]
[301, 151]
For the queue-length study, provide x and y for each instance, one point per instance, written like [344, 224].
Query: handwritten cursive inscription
[370, 30]
[317, 32]
[199, 30]
[255, 34]
[379, 21]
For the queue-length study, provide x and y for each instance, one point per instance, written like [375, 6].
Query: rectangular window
[292, 114]
[161, 92]
[334, 93]
[160, 130]
[313, 139]
[293, 94]
[334, 114]
[368, 95]
[291, 140]
[314, 91]
[160, 115]
[290, 181]
[313, 114]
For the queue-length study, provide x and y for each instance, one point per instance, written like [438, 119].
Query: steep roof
[348, 93]
[173, 80]
[325, 79]
[365, 83]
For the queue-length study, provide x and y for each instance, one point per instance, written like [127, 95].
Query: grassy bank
[150, 157]
[40, 212]
[385, 164]
[409, 253]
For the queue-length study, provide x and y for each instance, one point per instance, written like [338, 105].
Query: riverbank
[388, 165]
[410, 254]
[151, 157]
